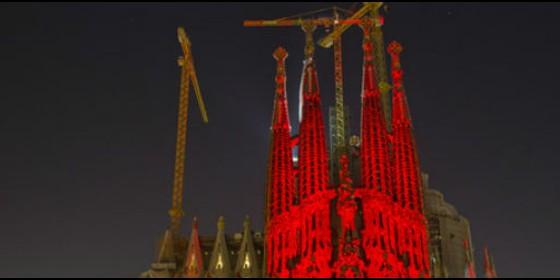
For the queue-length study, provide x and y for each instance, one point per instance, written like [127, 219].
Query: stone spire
[247, 264]
[470, 271]
[193, 267]
[280, 189]
[489, 269]
[166, 252]
[375, 146]
[407, 181]
[165, 264]
[312, 158]
[313, 181]
[220, 265]
[407, 173]
[280, 182]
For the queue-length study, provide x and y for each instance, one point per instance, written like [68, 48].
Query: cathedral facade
[315, 228]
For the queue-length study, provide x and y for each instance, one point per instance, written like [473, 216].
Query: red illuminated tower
[280, 187]
[407, 182]
[375, 149]
[406, 171]
[313, 178]
[378, 222]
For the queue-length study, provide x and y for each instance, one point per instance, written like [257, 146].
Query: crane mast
[188, 77]
[339, 137]
[339, 133]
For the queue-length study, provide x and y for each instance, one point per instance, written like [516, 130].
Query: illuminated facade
[373, 229]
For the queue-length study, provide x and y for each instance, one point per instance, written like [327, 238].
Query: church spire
[406, 166]
[166, 252]
[312, 158]
[280, 189]
[220, 265]
[165, 263]
[247, 265]
[375, 168]
[470, 271]
[312, 180]
[375, 148]
[489, 269]
[406, 176]
[193, 266]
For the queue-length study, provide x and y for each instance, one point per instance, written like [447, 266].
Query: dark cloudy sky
[88, 114]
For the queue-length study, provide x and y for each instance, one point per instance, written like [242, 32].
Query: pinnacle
[280, 54]
[195, 222]
[221, 223]
[395, 48]
[247, 222]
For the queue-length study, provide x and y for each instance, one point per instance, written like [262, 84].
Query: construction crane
[308, 25]
[188, 77]
[380, 65]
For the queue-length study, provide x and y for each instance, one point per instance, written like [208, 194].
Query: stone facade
[448, 232]
[219, 256]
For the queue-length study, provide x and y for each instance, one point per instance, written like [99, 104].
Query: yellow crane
[188, 77]
[328, 40]
[379, 53]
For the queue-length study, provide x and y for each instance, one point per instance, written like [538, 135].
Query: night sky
[88, 120]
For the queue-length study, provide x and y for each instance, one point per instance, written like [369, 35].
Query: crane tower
[188, 77]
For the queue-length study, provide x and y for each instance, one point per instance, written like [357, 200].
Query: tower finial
[221, 223]
[247, 222]
[309, 27]
[280, 54]
[280, 117]
[195, 222]
[401, 113]
[395, 49]
[367, 44]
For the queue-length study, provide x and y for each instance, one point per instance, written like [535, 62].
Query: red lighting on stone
[376, 229]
